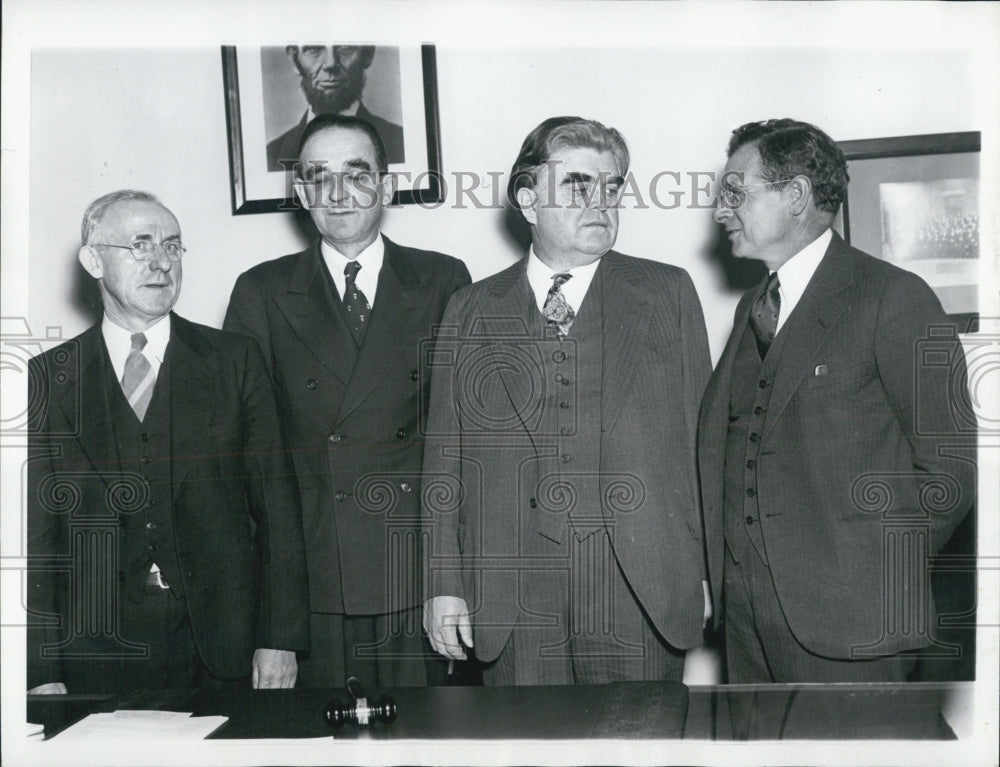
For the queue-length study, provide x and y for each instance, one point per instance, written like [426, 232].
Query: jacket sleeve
[247, 315]
[922, 367]
[274, 504]
[441, 513]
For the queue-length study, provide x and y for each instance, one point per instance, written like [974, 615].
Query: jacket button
[751, 464]
[311, 384]
[564, 405]
[150, 525]
[559, 377]
[565, 431]
[144, 437]
[405, 487]
[533, 503]
[565, 457]
[335, 438]
[559, 355]
[754, 436]
[146, 459]
[400, 433]
[762, 383]
[151, 547]
[749, 520]
[414, 375]
[758, 410]
[751, 492]
[341, 496]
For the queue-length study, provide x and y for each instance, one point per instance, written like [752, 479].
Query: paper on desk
[143, 725]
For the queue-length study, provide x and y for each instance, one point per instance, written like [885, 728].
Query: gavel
[358, 710]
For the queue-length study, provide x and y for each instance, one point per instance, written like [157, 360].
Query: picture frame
[267, 107]
[914, 201]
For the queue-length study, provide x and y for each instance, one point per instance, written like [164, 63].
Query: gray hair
[93, 217]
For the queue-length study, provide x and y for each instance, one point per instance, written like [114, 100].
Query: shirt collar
[574, 290]
[370, 259]
[119, 342]
[795, 273]
[350, 111]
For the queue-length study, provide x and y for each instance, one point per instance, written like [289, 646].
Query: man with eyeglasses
[345, 326]
[826, 483]
[564, 524]
[164, 528]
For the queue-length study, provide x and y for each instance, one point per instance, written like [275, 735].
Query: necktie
[355, 301]
[764, 315]
[138, 379]
[557, 312]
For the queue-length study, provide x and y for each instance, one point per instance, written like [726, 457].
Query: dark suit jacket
[655, 366]
[236, 513]
[352, 417]
[869, 436]
[286, 146]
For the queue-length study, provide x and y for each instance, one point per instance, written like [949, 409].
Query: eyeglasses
[735, 196]
[143, 250]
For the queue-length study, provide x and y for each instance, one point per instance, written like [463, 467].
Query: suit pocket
[847, 376]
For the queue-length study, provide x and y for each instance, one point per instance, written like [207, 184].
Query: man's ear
[800, 191]
[303, 192]
[387, 188]
[526, 199]
[90, 259]
[292, 51]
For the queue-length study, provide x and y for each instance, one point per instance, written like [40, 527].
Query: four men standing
[526, 463]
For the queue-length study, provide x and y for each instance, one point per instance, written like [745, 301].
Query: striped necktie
[138, 379]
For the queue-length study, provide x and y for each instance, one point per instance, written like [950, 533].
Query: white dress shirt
[795, 273]
[119, 343]
[573, 290]
[370, 260]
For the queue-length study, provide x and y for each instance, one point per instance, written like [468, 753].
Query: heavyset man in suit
[164, 530]
[343, 325]
[819, 466]
[561, 495]
[333, 78]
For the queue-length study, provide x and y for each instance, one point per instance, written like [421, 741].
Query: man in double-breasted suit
[560, 489]
[831, 449]
[343, 325]
[164, 530]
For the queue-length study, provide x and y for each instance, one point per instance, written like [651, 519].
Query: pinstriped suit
[487, 430]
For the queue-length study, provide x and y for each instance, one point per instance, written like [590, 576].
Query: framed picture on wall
[271, 92]
[914, 201]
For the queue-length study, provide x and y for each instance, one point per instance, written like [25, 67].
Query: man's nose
[159, 262]
[331, 58]
[722, 211]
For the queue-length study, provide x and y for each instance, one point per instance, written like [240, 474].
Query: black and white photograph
[567, 383]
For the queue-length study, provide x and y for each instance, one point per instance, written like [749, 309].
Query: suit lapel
[194, 374]
[308, 309]
[808, 326]
[85, 405]
[626, 315]
[399, 315]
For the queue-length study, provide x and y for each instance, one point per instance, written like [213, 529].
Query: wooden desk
[629, 710]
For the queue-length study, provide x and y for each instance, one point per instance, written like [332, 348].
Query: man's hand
[52, 688]
[274, 669]
[708, 604]
[442, 615]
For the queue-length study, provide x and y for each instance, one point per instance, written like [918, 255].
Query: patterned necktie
[764, 315]
[355, 301]
[138, 379]
[557, 312]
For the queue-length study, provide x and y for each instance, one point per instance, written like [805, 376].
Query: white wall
[154, 119]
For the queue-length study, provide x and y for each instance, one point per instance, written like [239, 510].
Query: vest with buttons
[751, 384]
[146, 533]
[569, 492]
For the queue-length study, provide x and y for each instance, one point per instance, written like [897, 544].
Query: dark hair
[562, 133]
[94, 215]
[331, 121]
[789, 148]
